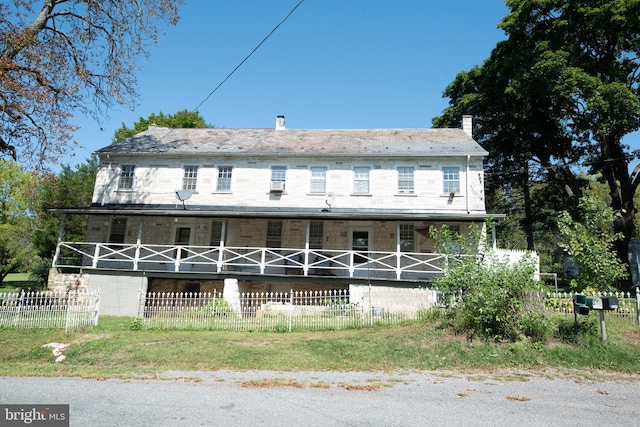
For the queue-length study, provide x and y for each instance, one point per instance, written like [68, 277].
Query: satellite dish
[329, 199]
[183, 195]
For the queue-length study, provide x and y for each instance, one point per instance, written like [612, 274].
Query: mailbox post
[582, 304]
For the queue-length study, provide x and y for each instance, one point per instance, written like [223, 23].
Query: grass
[15, 280]
[112, 349]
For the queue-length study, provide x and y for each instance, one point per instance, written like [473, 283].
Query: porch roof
[289, 213]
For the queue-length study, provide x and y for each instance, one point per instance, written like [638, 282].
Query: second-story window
[190, 178]
[278, 174]
[127, 173]
[450, 180]
[361, 180]
[405, 179]
[318, 179]
[274, 234]
[224, 178]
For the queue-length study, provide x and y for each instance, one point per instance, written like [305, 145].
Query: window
[118, 230]
[126, 177]
[224, 178]
[190, 178]
[216, 233]
[451, 180]
[318, 179]
[361, 180]
[405, 179]
[274, 234]
[278, 174]
[407, 238]
[316, 234]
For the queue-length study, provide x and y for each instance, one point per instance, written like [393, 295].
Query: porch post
[60, 233]
[138, 243]
[221, 250]
[398, 254]
[305, 267]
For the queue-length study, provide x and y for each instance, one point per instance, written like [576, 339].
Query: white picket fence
[288, 311]
[628, 304]
[49, 309]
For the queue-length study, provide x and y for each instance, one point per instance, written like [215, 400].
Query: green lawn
[113, 349]
[15, 280]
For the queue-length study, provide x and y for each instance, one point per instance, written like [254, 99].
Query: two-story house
[272, 210]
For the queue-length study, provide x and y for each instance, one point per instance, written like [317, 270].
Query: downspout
[466, 180]
[107, 182]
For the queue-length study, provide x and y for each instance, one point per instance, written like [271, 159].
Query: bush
[489, 297]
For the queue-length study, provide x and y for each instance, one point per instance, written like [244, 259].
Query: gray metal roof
[299, 142]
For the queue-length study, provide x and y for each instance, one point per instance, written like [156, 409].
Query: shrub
[487, 296]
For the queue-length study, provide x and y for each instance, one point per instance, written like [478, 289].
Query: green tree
[565, 92]
[589, 243]
[59, 58]
[16, 214]
[70, 188]
[181, 119]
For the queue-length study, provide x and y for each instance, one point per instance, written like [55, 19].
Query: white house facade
[240, 210]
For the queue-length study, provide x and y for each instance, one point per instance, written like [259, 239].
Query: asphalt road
[224, 398]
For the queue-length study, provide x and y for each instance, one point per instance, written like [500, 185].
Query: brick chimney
[280, 122]
[467, 124]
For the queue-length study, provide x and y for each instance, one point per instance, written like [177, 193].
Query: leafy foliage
[70, 188]
[181, 119]
[589, 242]
[561, 90]
[487, 296]
[62, 58]
[16, 218]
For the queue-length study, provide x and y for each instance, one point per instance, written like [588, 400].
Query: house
[269, 210]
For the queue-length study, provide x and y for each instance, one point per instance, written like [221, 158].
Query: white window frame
[450, 180]
[406, 179]
[362, 179]
[225, 175]
[190, 177]
[126, 181]
[318, 184]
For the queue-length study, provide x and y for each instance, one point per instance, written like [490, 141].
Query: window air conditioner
[277, 186]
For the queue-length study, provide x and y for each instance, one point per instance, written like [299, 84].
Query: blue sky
[333, 64]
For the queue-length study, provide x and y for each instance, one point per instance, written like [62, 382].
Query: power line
[249, 55]
[241, 62]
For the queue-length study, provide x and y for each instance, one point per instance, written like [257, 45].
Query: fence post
[16, 318]
[638, 304]
[66, 323]
[290, 309]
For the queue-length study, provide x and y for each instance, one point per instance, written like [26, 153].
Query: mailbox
[609, 303]
[595, 303]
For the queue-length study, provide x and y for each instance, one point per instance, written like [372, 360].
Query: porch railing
[220, 259]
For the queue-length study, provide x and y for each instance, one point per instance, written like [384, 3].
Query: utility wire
[242, 62]
[248, 56]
